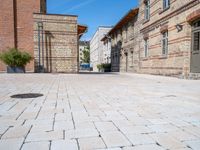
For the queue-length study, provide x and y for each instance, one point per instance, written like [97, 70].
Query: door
[195, 57]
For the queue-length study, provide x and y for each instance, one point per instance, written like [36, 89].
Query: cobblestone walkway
[89, 112]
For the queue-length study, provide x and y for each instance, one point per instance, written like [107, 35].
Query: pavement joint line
[21, 113]
[100, 134]
[12, 106]
[26, 137]
[38, 112]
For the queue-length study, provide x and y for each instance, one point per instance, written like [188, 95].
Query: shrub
[100, 66]
[15, 58]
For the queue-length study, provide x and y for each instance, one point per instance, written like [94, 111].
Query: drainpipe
[39, 44]
[15, 22]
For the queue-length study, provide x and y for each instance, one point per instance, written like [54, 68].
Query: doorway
[195, 54]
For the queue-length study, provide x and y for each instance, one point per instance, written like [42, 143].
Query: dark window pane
[196, 40]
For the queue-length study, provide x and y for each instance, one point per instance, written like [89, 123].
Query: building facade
[162, 38]
[106, 50]
[96, 47]
[52, 39]
[170, 37]
[124, 48]
[16, 25]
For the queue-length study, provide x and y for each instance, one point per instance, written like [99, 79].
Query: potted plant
[15, 60]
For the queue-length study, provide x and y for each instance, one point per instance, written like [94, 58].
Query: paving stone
[167, 141]
[11, 144]
[91, 143]
[45, 136]
[85, 125]
[3, 128]
[63, 117]
[140, 139]
[115, 139]
[64, 145]
[81, 133]
[36, 146]
[63, 125]
[105, 126]
[110, 149]
[135, 129]
[16, 132]
[159, 128]
[195, 145]
[145, 147]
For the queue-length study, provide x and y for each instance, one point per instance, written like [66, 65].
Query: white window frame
[166, 4]
[165, 44]
[147, 10]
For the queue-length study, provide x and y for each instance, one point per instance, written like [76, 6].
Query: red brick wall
[25, 10]
[6, 26]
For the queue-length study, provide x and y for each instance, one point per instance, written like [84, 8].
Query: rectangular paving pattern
[99, 112]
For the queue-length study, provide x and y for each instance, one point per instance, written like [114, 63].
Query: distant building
[83, 45]
[124, 51]
[52, 39]
[97, 46]
[106, 49]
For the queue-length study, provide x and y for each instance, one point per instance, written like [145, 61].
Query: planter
[15, 69]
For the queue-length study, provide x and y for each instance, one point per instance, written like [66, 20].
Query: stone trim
[146, 36]
[193, 16]
[172, 14]
[163, 28]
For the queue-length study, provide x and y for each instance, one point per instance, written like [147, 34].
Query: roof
[123, 21]
[81, 30]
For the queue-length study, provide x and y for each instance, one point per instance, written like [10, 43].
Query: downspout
[15, 23]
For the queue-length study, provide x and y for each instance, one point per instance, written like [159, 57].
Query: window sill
[164, 10]
[146, 21]
[163, 57]
[145, 59]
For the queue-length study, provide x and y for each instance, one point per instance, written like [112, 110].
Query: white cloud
[81, 5]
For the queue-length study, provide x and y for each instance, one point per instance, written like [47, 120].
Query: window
[146, 47]
[196, 41]
[132, 58]
[126, 33]
[165, 43]
[166, 4]
[147, 10]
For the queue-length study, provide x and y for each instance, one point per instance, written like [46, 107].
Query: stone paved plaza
[98, 112]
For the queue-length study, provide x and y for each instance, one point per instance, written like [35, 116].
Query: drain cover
[27, 95]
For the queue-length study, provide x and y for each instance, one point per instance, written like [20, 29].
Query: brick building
[19, 28]
[170, 42]
[124, 48]
[163, 38]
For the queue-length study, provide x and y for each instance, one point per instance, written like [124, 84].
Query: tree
[86, 55]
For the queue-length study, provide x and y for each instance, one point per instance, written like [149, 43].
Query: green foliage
[15, 58]
[100, 66]
[105, 66]
[86, 55]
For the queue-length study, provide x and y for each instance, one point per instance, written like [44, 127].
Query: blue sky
[92, 13]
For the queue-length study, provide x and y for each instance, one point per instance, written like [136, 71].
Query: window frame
[147, 10]
[166, 4]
